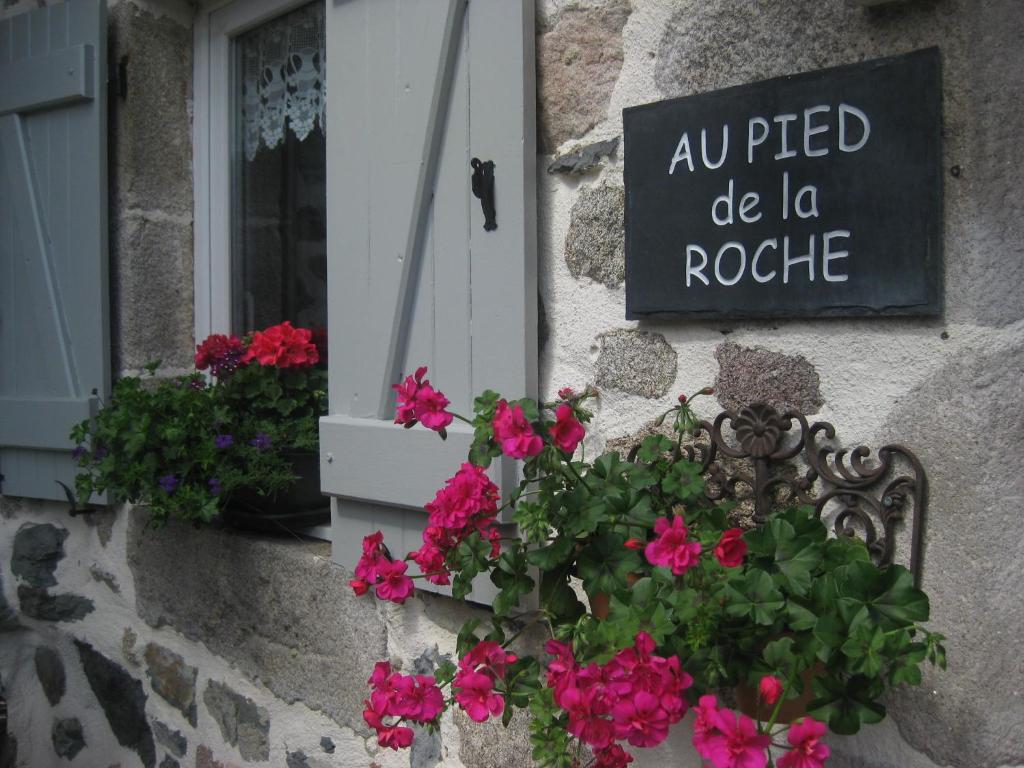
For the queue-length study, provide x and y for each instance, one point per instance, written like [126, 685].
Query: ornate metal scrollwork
[795, 462]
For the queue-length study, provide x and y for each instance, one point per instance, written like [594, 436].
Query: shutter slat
[42, 424]
[47, 81]
[54, 347]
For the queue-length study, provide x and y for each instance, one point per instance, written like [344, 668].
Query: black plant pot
[301, 506]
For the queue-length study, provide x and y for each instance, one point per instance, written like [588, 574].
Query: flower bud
[770, 689]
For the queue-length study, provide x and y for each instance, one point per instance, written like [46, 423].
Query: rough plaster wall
[930, 383]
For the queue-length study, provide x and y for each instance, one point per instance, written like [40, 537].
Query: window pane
[279, 255]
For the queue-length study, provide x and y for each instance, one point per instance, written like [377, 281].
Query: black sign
[809, 195]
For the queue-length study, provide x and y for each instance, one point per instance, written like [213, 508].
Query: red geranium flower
[282, 346]
[731, 548]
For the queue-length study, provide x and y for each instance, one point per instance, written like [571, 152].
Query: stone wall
[126, 646]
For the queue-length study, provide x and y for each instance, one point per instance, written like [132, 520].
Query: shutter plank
[54, 369]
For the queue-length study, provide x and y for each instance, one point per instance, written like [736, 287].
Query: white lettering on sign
[774, 245]
[696, 271]
[844, 110]
[814, 131]
[682, 153]
[754, 142]
[828, 255]
[704, 148]
[810, 131]
[738, 247]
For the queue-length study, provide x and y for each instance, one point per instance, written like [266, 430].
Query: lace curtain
[283, 69]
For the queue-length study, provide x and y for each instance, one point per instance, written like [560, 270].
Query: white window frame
[216, 23]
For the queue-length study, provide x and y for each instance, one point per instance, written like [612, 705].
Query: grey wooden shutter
[54, 349]
[416, 89]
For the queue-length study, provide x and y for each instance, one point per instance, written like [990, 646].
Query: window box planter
[240, 446]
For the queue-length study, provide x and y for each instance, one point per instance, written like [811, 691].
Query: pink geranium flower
[704, 725]
[736, 744]
[418, 401]
[808, 751]
[418, 698]
[672, 548]
[613, 756]
[476, 695]
[395, 585]
[566, 432]
[641, 720]
[397, 737]
[514, 433]
[374, 558]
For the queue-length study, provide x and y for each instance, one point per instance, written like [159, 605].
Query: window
[260, 166]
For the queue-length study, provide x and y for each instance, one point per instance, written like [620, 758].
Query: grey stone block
[37, 603]
[123, 702]
[276, 608]
[104, 577]
[8, 616]
[756, 375]
[584, 159]
[579, 57]
[50, 671]
[153, 294]
[204, 758]
[595, 243]
[639, 362]
[151, 126]
[38, 547]
[491, 745]
[173, 741]
[965, 424]
[172, 679]
[242, 723]
[327, 744]
[68, 738]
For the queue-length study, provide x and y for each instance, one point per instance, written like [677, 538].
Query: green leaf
[863, 650]
[778, 654]
[756, 596]
[467, 638]
[558, 598]
[798, 617]
[890, 596]
[846, 704]
[605, 563]
[550, 557]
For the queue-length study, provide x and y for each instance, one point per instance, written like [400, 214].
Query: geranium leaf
[605, 563]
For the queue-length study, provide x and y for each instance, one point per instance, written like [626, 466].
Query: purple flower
[224, 441]
[261, 442]
[168, 483]
[78, 453]
[215, 486]
[99, 453]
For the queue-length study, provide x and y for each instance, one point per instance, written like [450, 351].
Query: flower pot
[301, 506]
[600, 603]
[748, 702]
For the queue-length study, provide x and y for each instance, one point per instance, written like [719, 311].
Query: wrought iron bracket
[796, 462]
